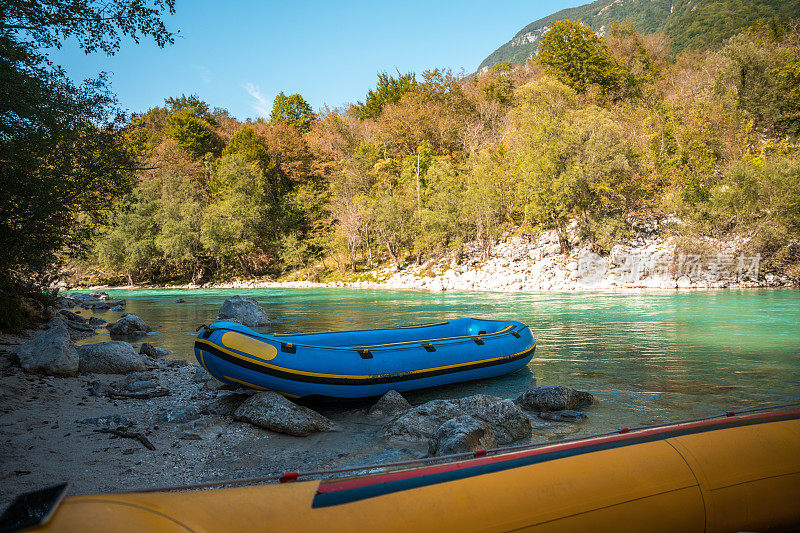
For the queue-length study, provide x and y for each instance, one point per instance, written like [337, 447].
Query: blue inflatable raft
[364, 363]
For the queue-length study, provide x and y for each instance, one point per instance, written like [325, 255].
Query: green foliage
[579, 58]
[765, 72]
[192, 131]
[63, 159]
[699, 25]
[95, 25]
[760, 198]
[235, 222]
[292, 110]
[496, 85]
[252, 147]
[388, 91]
[573, 163]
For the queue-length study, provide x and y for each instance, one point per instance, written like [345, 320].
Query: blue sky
[238, 55]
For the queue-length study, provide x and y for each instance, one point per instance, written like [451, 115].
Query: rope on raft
[293, 476]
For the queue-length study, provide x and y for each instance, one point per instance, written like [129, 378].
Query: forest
[594, 130]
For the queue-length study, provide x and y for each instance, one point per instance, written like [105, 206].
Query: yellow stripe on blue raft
[249, 345]
[282, 369]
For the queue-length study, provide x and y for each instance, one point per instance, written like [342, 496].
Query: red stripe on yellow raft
[334, 486]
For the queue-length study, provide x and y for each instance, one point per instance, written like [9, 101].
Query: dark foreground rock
[554, 398]
[270, 410]
[392, 403]
[507, 421]
[72, 317]
[243, 310]
[51, 352]
[225, 404]
[129, 326]
[461, 434]
[153, 351]
[76, 330]
[111, 357]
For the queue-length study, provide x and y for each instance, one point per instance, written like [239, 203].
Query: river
[648, 357]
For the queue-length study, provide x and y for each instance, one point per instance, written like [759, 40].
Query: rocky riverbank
[123, 414]
[651, 259]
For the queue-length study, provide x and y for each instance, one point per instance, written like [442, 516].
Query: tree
[578, 57]
[292, 110]
[765, 73]
[573, 163]
[61, 150]
[94, 24]
[234, 223]
[388, 91]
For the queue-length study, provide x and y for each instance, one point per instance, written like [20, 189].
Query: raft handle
[289, 476]
[515, 334]
[288, 347]
[365, 354]
[429, 347]
[478, 341]
[207, 331]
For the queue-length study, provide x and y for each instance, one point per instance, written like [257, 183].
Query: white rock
[51, 352]
[243, 310]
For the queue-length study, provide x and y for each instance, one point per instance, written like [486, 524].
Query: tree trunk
[393, 255]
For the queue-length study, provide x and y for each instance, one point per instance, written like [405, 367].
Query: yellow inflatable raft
[738, 473]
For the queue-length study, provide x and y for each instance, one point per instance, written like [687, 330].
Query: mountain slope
[690, 24]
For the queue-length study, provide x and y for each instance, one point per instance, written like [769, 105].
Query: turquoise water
[648, 357]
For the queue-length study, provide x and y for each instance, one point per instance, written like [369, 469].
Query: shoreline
[523, 263]
[165, 421]
[382, 286]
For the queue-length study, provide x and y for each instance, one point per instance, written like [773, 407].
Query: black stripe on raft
[327, 499]
[371, 380]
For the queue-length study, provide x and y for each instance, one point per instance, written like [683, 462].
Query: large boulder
[421, 422]
[271, 410]
[507, 421]
[100, 295]
[554, 398]
[111, 357]
[129, 325]
[392, 403]
[243, 310]
[50, 352]
[461, 434]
